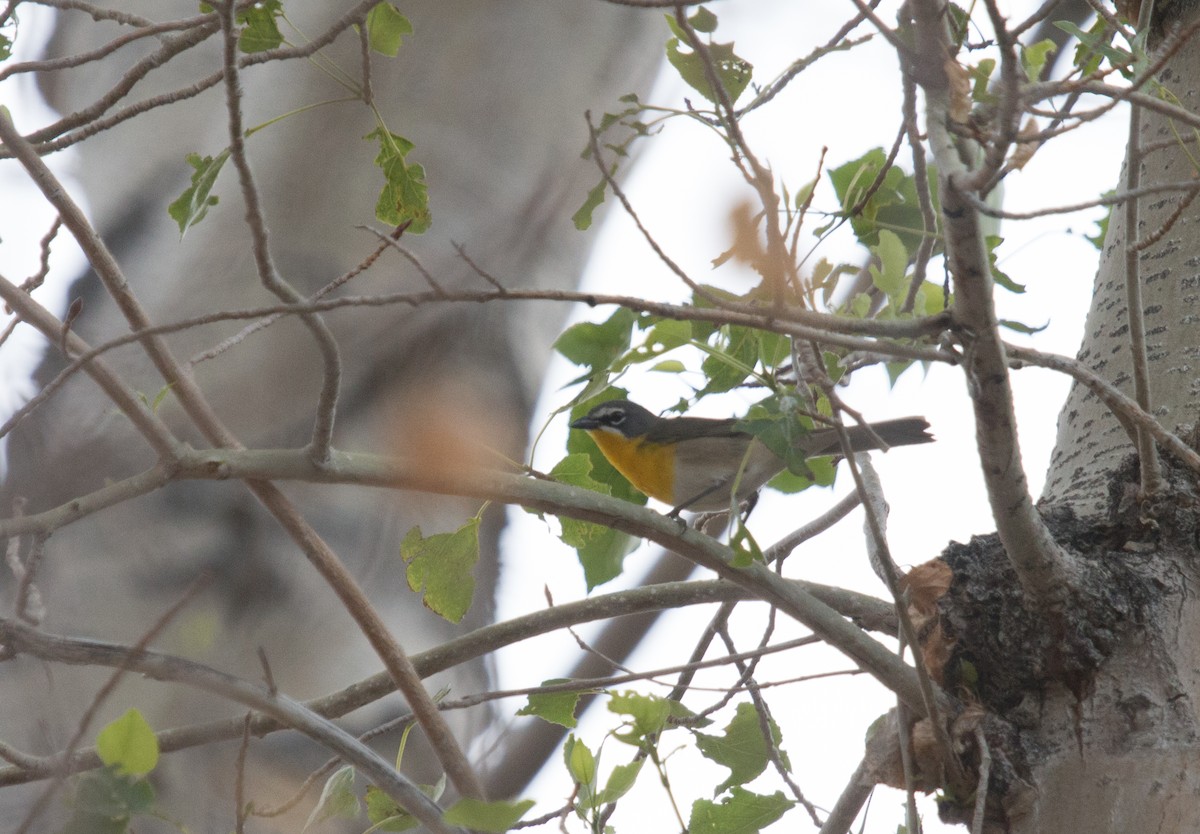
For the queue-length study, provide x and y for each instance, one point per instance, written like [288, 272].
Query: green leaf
[161, 396]
[104, 802]
[385, 814]
[597, 346]
[703, 21]
[601, 549]
[742, 748]
[745, 548]
[441, 568]
[580, 761]
[555, 707]
[981, 76]
[405, 195]
[895, 369]
[733, 72]
[993, 244]
[894, 205]
[495, 817]
[821, 472]
[191, 206]
[1018, 327]
[959, 22]
[337, 798]
[732, 360]
[576, 469]
[1097, 239]
[888, 276]
[647, 715]
[931, 299]
[620, 781]
[386, 29]
[107, 793]
[778, 424]
[1095, 45]
[582, 218]
[261, 30]
[742, 812]
[663, 335]
[5, 47]
[1034, 58]
[128, 744]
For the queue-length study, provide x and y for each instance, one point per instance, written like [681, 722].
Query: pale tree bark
[1122, 758]
[1103, 704]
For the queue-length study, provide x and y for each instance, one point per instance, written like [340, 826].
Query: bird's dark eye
[615, 418]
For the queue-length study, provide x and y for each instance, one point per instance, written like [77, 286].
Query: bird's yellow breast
[648, 466]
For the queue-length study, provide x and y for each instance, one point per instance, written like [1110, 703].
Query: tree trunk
[1104, 703]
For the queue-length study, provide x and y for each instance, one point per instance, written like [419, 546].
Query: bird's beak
[586, 423]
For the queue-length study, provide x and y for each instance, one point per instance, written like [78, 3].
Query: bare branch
[619, 193]
[155, 432]
[370, 470]
[192, 399]
[833, 330]
[322, 433]
[1131, 416]
[1043, 568]
[1150, 471]
[462, 649]
[120, 669]
[52, 648]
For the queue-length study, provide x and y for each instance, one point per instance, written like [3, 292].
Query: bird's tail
[906, 431]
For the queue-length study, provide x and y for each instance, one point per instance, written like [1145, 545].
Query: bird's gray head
[620, 416]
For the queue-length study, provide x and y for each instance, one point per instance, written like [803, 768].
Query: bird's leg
[749, 505]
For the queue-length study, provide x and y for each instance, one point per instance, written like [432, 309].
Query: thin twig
[155, 432]
[1149, 467]
[619, 193]
[240, 808]
[454, 652]
[868, 485]
[38, 278]
[1122, 197]
[981, 786]
[1142, 244]
[476, 268]
[1043, 568]
[268, 275]
[270, 319]
[850, 802]
[75, 651]
[924, 199]
[126, 664]
[82, 58]
[29, 605]
[364, 49]
[777, 267]
[837, 43]
[782, 548]
[391, 242]
[200, 411]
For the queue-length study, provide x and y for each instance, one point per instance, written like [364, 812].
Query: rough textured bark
[1091, 442]
[1103, 705]
[493, 97]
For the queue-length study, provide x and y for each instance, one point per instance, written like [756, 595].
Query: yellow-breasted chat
[691, 463]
